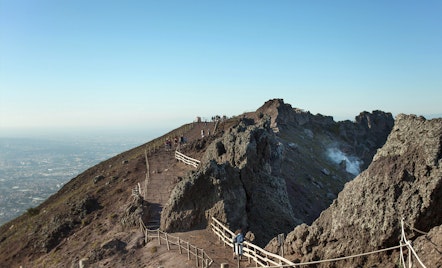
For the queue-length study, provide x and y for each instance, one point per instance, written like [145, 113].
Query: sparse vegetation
[33, 211]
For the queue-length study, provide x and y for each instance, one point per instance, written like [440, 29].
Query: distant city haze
[32, 169]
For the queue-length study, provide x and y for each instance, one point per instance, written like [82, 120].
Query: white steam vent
[352, 164]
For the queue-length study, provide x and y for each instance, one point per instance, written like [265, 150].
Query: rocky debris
[250, 237]
[137, 242]
[54, 232]
[60, 226]
[137, 209]
[98, 178]
[403, 181]
[83, 263]
[111, 247]
[85, 206]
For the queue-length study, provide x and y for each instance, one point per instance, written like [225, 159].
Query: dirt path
[164, 173]
[208, 241]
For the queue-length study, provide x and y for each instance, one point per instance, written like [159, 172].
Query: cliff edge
[404, 181]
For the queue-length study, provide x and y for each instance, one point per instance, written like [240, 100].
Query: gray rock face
[429, 247]
[238, 183]
[136, 209]
[403, 181]
[360, 138]
[321, 155]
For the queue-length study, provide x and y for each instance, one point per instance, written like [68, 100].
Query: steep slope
[403, 181]
[94, 215]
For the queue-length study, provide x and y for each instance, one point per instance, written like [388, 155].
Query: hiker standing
[237, 243]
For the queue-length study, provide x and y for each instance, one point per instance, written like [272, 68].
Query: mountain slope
[273, 164]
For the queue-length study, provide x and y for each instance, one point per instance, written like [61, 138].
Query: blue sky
[159, 64]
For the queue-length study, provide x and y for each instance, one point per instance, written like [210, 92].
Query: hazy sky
[159, 64]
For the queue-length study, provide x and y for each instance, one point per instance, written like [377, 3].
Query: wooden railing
[186, 160]
[261, 257]
[201, 257]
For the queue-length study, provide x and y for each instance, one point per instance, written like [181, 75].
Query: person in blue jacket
[237, 240]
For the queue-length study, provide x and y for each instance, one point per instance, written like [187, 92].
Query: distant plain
[32, 169]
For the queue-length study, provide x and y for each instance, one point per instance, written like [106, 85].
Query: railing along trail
[201, 258]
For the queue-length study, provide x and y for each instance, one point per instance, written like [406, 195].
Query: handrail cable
[403, 243]
[338, 259]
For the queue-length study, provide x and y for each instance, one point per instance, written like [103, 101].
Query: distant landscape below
[32, 169]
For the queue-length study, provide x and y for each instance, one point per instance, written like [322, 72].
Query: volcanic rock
[404, 181]
[271, 171]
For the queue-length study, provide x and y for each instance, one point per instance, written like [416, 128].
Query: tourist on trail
[237, 243]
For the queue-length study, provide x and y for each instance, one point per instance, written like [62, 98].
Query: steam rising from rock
[352, 164]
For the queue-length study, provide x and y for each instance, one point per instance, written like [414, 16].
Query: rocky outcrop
[238, 183]
[58, 227]
[137, 209]
[321, 155]
[403, 181]
[368, 133]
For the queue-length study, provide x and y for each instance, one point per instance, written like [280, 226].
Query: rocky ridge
[272, 167]
[404, 181]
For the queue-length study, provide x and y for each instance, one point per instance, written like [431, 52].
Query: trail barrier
[186, 160]
[261, 257]
[201, 258]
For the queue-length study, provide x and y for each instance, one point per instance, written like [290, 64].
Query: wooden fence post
[167, 241]
[146, 182]
[179, 246]
[196, 254]
[159, 238]
[256, 259]
[188, 251]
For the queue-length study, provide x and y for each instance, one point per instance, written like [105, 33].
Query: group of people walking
[176, 141]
